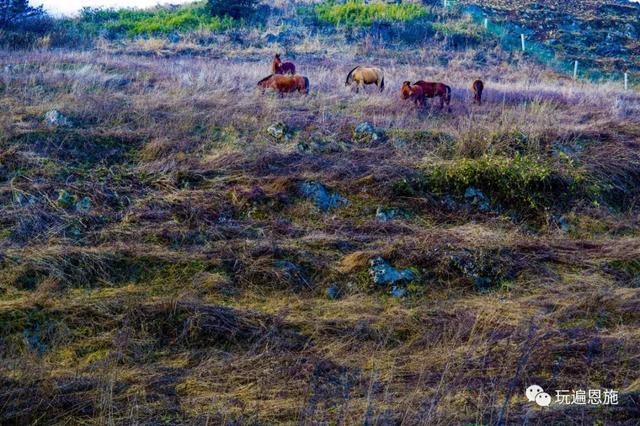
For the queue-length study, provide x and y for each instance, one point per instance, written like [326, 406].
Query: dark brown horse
[415, 93]
[279, 67]
[285, 83]
[477, 87]
[432, 90]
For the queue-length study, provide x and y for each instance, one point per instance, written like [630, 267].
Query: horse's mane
[266, 78]
[351, 72]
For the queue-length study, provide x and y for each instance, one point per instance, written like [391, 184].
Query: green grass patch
[159, 21]
[358, 13]
[525, 184]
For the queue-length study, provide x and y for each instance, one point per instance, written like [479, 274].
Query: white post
[445, 3]
[522, 41]
[575, 70]
[486, 23]
[626, 81]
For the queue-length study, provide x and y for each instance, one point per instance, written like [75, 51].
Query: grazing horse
[365, 75]
[477, 87]
[279, 67]
[285, 83]
[432, 90]
[415, 93]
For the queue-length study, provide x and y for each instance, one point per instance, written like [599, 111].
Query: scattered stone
[386, 215]
[291, 272]
[65, 199]
[324, 199]
[382, 273]
[398, 292]
[278, 131]
[22, 199]
[333, 293]
[55, 118]
[564, 224]
[476, 198]
[484, 269]
[365, 133]
[84, 205]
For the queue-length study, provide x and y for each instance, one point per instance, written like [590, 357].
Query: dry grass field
[163, 262]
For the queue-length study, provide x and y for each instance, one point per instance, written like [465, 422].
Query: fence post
[626, 81]
[444, 3]
[486, 23]
[575, 70]
[522, 41]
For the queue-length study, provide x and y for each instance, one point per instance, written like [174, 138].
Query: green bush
[132, 23]
[236, 9]
[522, 183]
[357, 13]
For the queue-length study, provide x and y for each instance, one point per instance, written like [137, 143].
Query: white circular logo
[532, 391]
[543, 399]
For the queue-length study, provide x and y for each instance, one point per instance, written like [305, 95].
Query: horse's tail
[382, 84]
[447, 96]
[306, 85]
[346, 83]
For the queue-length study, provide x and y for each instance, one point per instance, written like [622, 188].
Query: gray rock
[84, 205]
[65, 199]
[324, 199]
[278, 131]
[382, 273]
[564, 224]
[474, 269]
[55, 118]
[365, 132]
[386, 215]
[477, 198]
[333, 293]
[292, 273]
[398, 292]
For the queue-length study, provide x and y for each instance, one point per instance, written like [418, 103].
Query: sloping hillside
[177, 247]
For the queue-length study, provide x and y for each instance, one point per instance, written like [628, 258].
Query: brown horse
[432, 90]
[285, 83]
[365, 75]
[279, 67]
[415, 93]
[477, 87]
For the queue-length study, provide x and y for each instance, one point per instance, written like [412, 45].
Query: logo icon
[536, 394]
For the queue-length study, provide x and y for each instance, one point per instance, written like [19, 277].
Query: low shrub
[522, 183]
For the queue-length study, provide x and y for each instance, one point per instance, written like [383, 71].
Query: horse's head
[264, 82]
[405, 91]
[350, 76]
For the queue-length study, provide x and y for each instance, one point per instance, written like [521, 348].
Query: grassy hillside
[602, 35]
[178, 248]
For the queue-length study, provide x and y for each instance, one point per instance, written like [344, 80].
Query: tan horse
[365, 75]
[415, 93]
[285, 83]
[477, 87]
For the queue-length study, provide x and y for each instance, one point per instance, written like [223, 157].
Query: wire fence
[512, 40]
